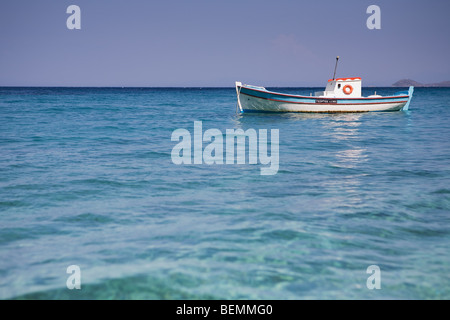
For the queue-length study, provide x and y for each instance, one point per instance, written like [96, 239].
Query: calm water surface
[86, 178]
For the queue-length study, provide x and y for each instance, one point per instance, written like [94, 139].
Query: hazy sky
[214, 43]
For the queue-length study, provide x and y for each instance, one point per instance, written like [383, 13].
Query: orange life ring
[348, 89]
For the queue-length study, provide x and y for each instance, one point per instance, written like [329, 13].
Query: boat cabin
[341, 88]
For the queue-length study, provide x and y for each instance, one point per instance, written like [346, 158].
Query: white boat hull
[258, 99]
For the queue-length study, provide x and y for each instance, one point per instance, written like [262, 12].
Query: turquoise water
[86, 178]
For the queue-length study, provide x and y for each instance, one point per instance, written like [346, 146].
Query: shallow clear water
[86, 178]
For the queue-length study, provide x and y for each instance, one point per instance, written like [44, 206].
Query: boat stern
[410, 94]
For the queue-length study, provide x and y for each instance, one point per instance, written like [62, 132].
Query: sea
[92, 205]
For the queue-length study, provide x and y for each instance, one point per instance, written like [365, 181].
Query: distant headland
[409, 82]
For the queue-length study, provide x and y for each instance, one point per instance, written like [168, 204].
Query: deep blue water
[86, 178]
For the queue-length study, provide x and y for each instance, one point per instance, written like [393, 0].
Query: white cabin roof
[349, 87]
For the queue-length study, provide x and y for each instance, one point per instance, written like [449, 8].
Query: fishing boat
[340, 95]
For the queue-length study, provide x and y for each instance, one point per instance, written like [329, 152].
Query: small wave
[12, 204]
[286, 235]
[87, 219]
[441, 191]
[99, 182]
[133, 287]
[8, 235]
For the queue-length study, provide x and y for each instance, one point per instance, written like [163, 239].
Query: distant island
[409, 82]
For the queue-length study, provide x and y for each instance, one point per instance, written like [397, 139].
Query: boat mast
[335, 67]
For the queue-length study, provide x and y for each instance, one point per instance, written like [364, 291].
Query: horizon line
[180, 87]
